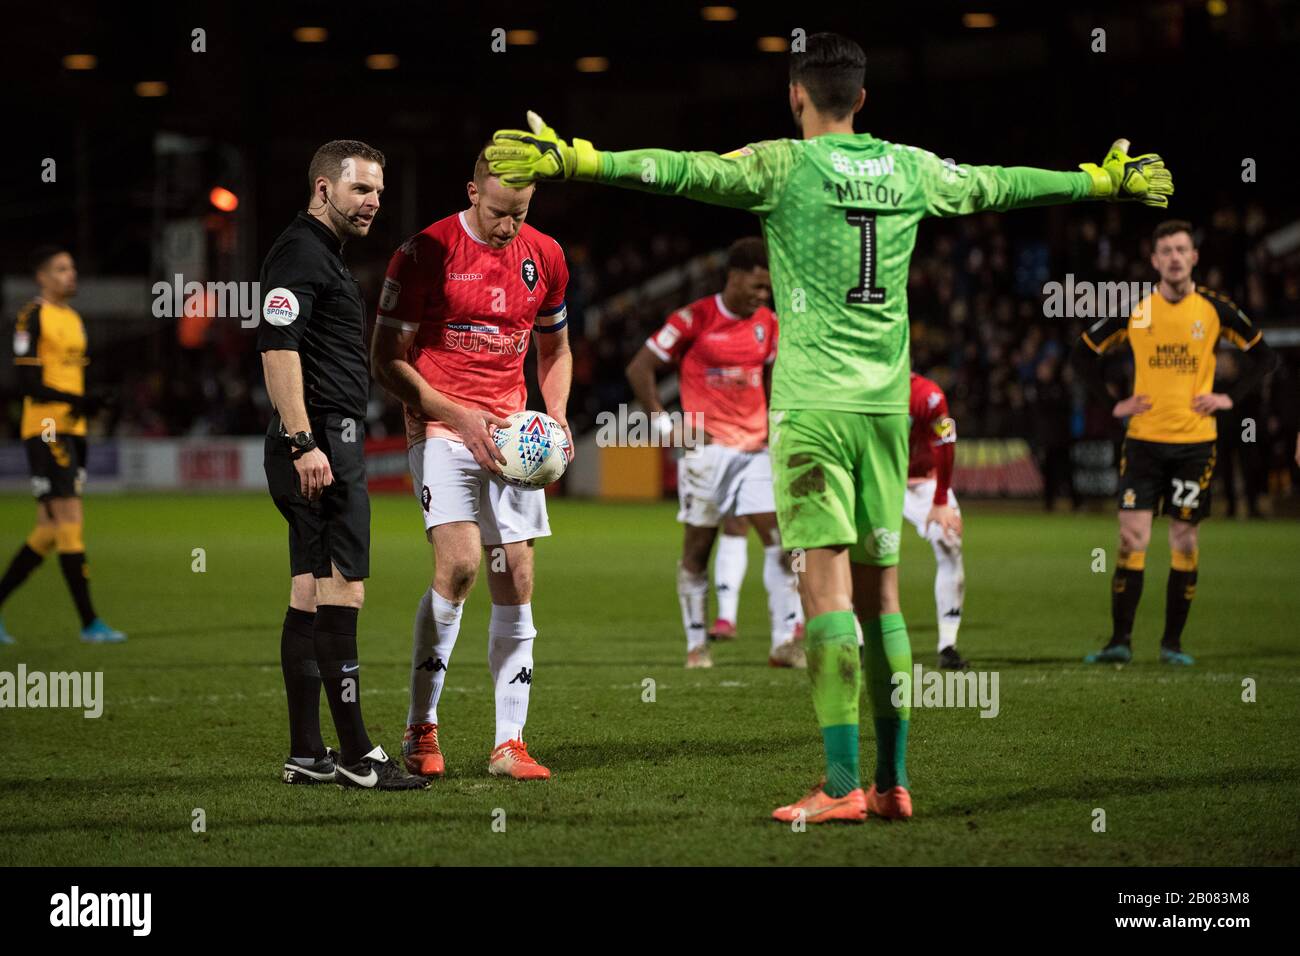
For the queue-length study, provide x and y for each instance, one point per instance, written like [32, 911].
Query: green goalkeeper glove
[520, 157]
[1124, 177]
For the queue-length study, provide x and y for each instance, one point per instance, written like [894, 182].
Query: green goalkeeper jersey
[840, 214]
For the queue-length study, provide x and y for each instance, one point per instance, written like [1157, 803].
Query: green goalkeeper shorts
[839, 479]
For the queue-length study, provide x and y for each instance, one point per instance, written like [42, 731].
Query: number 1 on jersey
[866, 292]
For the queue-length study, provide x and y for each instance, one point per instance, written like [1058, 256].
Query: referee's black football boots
[322, 771]
[377, 771]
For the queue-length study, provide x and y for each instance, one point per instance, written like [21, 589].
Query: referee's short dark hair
[747, 254]
[328, 161]
[43, 254]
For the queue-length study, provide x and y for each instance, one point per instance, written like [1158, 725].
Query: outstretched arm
[752, 178]
[952, 190]
[749, 178]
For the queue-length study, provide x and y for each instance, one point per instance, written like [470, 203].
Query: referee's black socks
[1125, 593]
[301, 683]
[335, 636]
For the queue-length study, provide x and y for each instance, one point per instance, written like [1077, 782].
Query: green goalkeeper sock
[887, 651]
[832, 651]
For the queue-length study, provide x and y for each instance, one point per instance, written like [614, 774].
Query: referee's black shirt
[313, 306]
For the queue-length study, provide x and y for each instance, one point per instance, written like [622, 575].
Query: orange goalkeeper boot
[821, 807]
[894, 804]
[420, 751]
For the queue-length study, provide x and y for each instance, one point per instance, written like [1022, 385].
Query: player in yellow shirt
[1169, 448]
[50, 355]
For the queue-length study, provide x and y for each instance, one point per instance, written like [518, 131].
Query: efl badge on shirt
[528, 271]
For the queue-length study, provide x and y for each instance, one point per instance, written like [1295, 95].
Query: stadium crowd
[979, 328]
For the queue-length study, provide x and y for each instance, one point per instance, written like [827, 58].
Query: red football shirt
[473, 309]
[721, 357]
[933, 435]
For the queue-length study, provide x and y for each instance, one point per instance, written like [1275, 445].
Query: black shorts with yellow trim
[1167, 478]
[58, 467]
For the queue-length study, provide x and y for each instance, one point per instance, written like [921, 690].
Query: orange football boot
[821, 807]
[893, 804]
[511, 759]
[722, 630]
[420, 751]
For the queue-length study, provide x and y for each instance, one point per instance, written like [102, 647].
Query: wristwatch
[300, 443]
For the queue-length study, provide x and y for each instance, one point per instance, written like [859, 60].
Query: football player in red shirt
[460, 303]
[724, 346]
[931, 505]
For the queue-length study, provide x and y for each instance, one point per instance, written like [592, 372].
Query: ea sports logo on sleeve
[280, 307]
[528, 272]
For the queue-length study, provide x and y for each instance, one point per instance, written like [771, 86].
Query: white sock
[437, 623]
[783, 607]
[510, 660]
[949, 590]
[693, 595]
[729, 573]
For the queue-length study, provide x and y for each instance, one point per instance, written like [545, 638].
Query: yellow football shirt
[1173, 347]
[53, 338]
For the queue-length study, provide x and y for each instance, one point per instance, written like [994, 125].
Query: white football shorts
[451, 486]
[716, 481]
[916, 506]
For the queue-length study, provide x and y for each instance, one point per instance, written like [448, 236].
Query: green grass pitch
[1186, 772]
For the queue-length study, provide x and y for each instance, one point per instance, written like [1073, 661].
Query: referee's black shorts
[334, 529]
[58, 467]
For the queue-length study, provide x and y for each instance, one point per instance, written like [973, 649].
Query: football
[535, 448]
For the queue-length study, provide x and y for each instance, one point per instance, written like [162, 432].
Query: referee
[313, 354]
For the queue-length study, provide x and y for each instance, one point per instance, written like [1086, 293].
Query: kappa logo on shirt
[528, 272]
[280, 306]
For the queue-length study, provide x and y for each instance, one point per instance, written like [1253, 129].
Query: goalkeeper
[840, 212]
